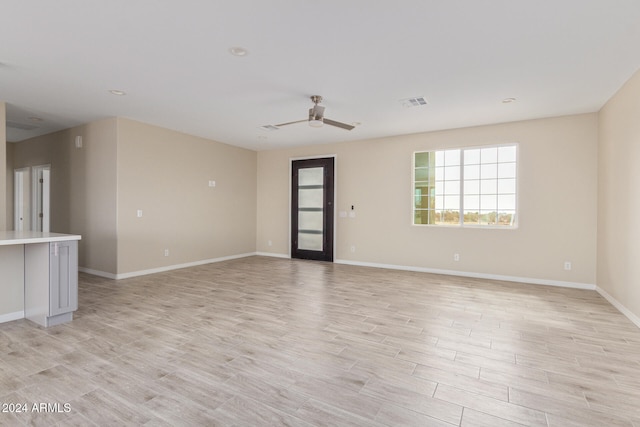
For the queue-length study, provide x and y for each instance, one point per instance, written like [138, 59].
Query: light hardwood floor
[264, 341]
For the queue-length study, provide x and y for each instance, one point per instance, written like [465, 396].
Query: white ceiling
[59, 59]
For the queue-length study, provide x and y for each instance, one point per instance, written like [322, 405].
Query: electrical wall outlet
[166, 252]
[353, 248]
[567, 265]
[456, 257]
[139, 213]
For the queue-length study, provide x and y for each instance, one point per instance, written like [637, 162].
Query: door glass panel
[310, 242]
[310, 220]
[311, 176]
[310, 208]
[310, 197]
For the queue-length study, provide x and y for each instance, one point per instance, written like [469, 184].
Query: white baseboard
[9, 317]
[517, 279]
[273, 255]
[162, 269]
[621, 308]
[97, 273]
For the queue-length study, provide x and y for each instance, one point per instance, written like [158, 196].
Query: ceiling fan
[316, 117]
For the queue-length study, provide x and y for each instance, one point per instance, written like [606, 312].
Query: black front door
[312, 209]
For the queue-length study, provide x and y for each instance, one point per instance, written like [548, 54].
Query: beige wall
[3, 167]
[557, 202]
[619, 196]
[83, 187]
[166, 174]
[124, 166]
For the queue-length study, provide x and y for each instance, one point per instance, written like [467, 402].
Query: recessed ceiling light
[117, 92]
[238, 51]
[508, 100]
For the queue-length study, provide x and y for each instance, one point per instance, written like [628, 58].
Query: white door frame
[41, 198]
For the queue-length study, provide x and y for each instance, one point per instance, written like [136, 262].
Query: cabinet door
[63, 280]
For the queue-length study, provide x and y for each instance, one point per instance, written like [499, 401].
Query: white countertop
[25, 237]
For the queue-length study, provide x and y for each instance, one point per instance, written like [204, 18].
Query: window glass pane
[422, 202]
[472, 186]
[507, 218]
[471, 157]
[452, 157]
[471, 203]
[451, 203]
[439, 174]
[449, 217]
[439, 187]
[507, 170]
[311, 176]
[489, 155]
[422, 174]
[472, 172]
[489, 171]
[471, 217]
[452, 187]
[487, 217]
[507, 186]
[507, 154]
[439, 202]
[452, 172]
[489, 186]
[488, 202]
[439, 158]
[310, 197]
[422, 159]
[507, 202]
[425, 217]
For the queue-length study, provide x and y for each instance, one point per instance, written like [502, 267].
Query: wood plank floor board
[267, 341]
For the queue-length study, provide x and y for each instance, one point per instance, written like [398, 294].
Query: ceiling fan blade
[290, 123]
[337, 124]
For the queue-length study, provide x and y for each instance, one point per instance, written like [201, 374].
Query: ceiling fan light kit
[316, 117]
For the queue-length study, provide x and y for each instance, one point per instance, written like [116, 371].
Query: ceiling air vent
[21, 126]
[413, 102]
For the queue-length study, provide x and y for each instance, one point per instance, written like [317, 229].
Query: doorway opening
[32, 198]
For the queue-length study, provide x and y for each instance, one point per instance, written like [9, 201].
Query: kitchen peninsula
[38, 276]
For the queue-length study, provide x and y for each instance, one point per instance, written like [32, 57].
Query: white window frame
[461, 223]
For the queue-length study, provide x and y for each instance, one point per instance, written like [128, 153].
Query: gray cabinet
[63, 277]
[51, 282]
